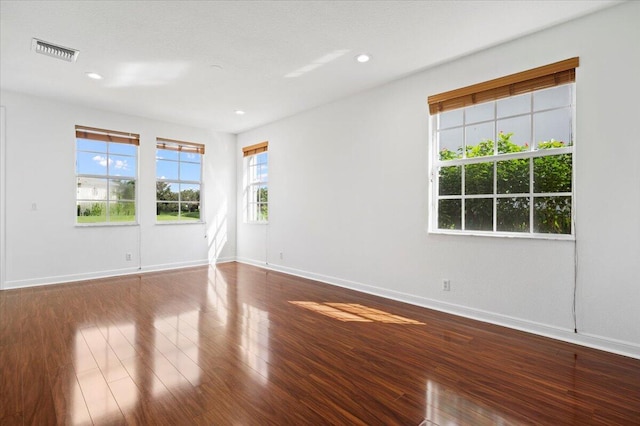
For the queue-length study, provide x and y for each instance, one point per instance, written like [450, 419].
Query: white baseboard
[175, 265]
[584, 339]
[60, 279]
[224, 260]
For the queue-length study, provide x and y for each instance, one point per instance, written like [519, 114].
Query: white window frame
[253, 180]
[109, 137]
[181, 147]
[532, 153]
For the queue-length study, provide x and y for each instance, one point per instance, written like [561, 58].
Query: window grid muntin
[532, 152]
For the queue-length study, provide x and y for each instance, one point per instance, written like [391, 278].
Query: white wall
[348, 194]
[45, 246]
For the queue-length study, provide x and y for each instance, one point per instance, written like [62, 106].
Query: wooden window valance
[103, 135]
[174, 145]
[255, 149]
[527, 81]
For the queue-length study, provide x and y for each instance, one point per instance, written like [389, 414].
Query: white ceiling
[196, 62]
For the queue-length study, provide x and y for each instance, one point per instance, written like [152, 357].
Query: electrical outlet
[281, 256]
[127, 257]
[446, 285]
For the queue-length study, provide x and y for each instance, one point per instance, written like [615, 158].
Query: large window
[256, 177]
[178, 180]
[503, 155]
[106, 173]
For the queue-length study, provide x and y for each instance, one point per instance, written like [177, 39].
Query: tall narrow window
[106, 174]
[178, 180]
[256, 178]
[503, 155]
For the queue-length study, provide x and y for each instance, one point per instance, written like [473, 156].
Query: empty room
[319, 212]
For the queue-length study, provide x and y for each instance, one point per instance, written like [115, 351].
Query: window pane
[122, 190]
[190, 171]
[450, 144]
[166, 154]
[513, 176]
[263, 173]
[164, 192]
[91, 189]
[450, 118]
[450, 180]
[166, 211]
[190, 211]
[515, 105]
[514, 134]
[122, 149]
[91, 163]
[480, 112]
[189, 192]
[478, 178]
[91, 145]
[555, 97]
[552, 129]
[91, 212]
[450, 214]
[263, 212]
[261, 158]
[479, 140]
[167, 169]
[190, 157]
[552, 215]
[552, 173]
[513, 214]
[478, 214]
[122, 211]
[263, 194]
[122, 166]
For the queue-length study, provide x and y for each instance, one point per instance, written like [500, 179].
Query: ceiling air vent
[53, 50]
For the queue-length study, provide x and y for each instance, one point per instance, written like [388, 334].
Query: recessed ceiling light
[362, 58]
[239, 112]
[94, 75]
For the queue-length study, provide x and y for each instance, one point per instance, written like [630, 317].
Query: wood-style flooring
[240, 345]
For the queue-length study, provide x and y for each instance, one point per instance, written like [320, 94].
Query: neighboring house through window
[106, 174]
[256, 177]
[502, 155]
[178, 181]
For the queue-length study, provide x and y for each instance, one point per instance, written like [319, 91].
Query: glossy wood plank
[236, 344]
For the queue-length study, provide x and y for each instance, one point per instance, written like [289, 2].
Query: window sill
[256, 223]
[514, 235]
[105, 224]
[181, 222]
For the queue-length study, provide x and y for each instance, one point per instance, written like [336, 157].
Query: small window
[256, 187]
[178, 181]
[106, 174]
[502, 155]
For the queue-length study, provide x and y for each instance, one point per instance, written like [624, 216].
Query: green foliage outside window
[172, 206]
[552, 174]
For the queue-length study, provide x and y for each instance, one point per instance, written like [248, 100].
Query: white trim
[3, 211]
[175, 265]
[566, 335]
[60, 279]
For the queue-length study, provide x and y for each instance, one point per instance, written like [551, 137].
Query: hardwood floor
[239, 345]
